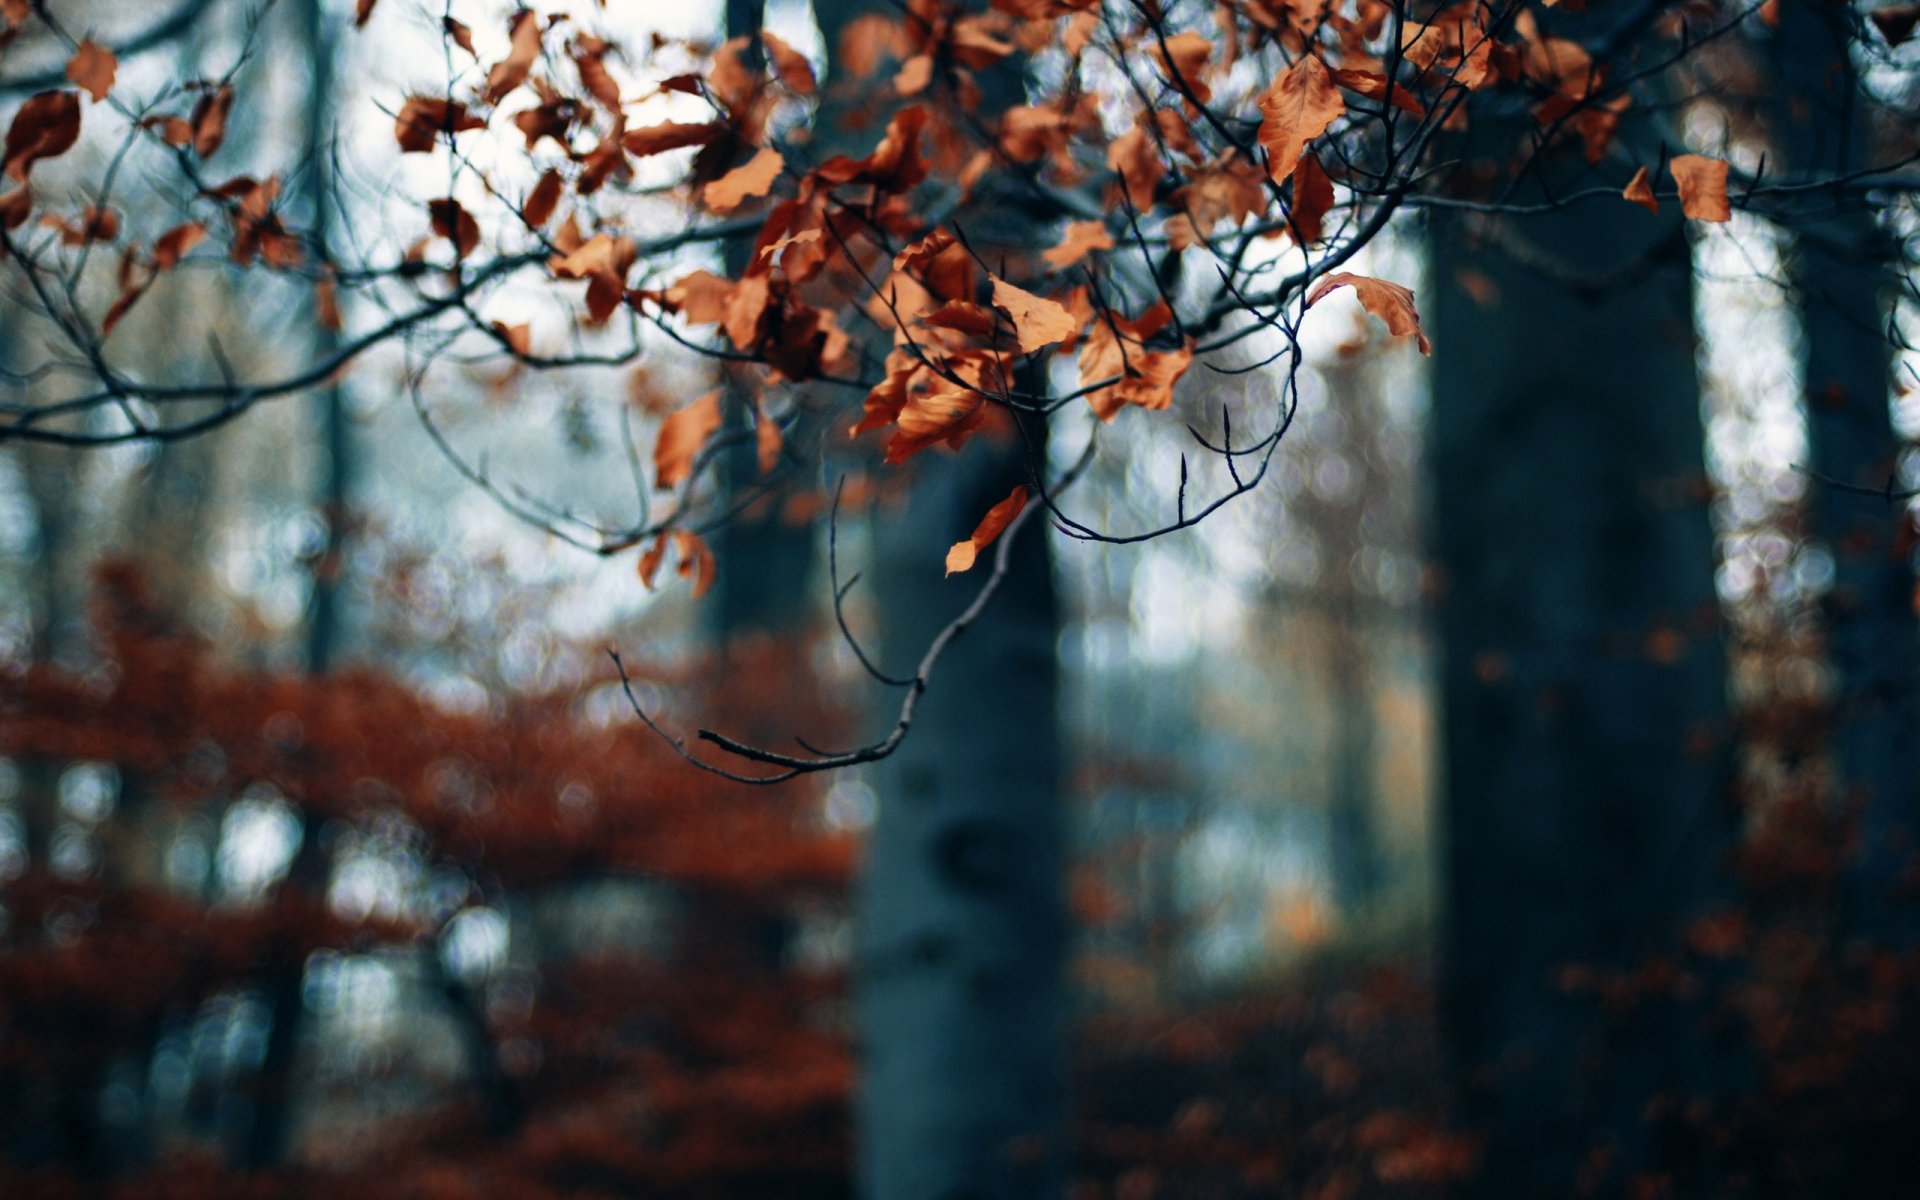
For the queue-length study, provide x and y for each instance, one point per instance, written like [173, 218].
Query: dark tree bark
[1840, 268]
[1583, 686]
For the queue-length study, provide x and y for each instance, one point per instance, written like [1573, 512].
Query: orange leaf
[542, 200]
[519, 338]
[172, 246]
[46, 126]
[962, 555]
[209, 120]
[512, 71]
[362, 12]
[1639, 189]
[1184, 56]
[1082, 238]
[794, 69]
[1037, 321]
[1388, 301]
[1132, 156]
[755, 178]
[669, 135]
[1703, 187]
[92, 69]
[1295, 110]
[423, 119]
[682, 435]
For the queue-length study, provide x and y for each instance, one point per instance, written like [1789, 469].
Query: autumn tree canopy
[964, 221]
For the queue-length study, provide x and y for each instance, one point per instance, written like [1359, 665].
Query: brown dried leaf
[754, 178]
[1703, 187]
[1037, 321]
[1295, 110]
[1388, 301]
[962, 555]
[682, 435]
[92, 68]
[46, 126]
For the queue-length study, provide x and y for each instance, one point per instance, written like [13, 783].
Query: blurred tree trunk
[963, 927]
[1587, 808]
[271, 1133]
[962, 924]
[1841, 269]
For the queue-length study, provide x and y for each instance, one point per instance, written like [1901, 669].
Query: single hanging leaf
[46, 126]
[92, 68]
[755, 178]
[1295, 110]
[1388, 301]
[362, 11]
[682, 435]
[1703, 187]
[1037, 321]
[963, 554]
[1639, 190]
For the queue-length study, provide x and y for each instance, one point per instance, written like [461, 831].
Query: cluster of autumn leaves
[879, 237]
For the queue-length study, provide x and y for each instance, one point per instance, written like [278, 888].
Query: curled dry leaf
[1388, 301]
[92, 68]
[46, 126]
[962, 555]
[1295, 110]
[1119, 370]
[458, 32]
[682, 434]
[1703, 187]
[1639, 190]
[753, 178]
[1037, 321]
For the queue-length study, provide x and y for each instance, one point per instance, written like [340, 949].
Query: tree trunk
[963, 926]
[1840, 269]
[1583, 685]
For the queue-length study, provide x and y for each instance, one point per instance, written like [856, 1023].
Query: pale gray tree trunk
[961, 909]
